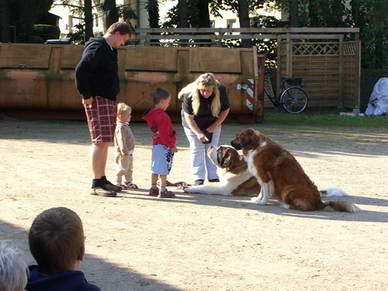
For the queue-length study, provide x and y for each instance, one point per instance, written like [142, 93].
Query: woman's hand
[174, 149]
[202, 137]
[88, 101]
[212, 128]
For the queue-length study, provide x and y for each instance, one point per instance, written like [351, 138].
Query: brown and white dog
[281, 176]
[235, 179]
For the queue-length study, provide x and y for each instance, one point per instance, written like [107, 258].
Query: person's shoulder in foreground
[57, 243]
[62, 281]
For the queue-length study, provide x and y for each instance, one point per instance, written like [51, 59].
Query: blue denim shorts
[162, 157]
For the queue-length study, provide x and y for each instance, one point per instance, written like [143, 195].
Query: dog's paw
[190, 190]
[259, 201]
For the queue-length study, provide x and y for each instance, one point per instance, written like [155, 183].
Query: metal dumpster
[41, 77]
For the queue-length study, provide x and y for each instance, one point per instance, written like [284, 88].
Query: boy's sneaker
[102, 187]
[214, 180]
[154, 191]
[166, 194]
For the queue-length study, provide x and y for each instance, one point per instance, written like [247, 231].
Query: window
[230, 23]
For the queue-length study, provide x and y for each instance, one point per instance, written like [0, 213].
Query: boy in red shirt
[163, 140]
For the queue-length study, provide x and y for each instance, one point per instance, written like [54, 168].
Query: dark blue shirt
[63, 281]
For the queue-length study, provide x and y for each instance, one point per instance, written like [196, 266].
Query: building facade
[70, 16]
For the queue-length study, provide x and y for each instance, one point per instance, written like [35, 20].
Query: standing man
[98, 83]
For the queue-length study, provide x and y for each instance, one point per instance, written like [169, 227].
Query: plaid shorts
[101, 116]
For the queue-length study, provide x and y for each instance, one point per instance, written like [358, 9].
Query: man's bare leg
[98, 158]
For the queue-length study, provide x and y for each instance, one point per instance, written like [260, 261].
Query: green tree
[153, 13]
[293, 13]
[22, 15]
[85, 8]
[111, 12]
[4, 21]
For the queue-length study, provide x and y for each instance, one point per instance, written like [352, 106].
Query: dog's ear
[246, 137]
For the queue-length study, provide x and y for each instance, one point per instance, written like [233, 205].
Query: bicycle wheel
[294, 100]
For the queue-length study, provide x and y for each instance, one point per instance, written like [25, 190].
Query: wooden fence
[220, 36]
[34, 76]
[330, 71]
[329, 66]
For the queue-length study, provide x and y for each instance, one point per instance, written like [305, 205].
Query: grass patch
[323, 118]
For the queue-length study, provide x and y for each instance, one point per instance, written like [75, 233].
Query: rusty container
[41, 77]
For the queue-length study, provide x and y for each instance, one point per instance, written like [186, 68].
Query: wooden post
[259, 80]
[55, 59]
[340, 99]
[147, 40]
[183, 71]
[54, 68]
[289, 56]
[279, 63]
[357, 92]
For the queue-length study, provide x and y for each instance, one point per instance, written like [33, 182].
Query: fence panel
[329, 71]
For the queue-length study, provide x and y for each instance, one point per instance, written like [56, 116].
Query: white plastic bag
[378, 100]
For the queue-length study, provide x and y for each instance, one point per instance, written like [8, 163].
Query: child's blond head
[123, 109]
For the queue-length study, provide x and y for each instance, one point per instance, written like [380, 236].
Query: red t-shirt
[160, 124]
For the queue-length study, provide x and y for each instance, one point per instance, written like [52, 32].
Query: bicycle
[292, 98]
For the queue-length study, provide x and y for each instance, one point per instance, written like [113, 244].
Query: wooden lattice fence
[329, 66]
[330, 71]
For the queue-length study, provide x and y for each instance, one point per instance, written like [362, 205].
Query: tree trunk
[243, 16]
[153, 13]
[379, 16]
[355, 4]
[25, 22]
[88, 17]
[204, 19]
[293, 12]
[4, 21]
[313, 13]
[111, 13]
[183, 13]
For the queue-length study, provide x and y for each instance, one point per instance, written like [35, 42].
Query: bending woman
[205, 106]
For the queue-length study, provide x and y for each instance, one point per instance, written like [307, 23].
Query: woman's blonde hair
[123, 108]
[204, 81]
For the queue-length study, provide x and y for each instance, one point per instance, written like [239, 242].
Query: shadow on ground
[313, 142]
[273, 207]
[113, 278]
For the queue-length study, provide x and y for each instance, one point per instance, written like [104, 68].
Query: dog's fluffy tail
[342, 206]
[333, 192]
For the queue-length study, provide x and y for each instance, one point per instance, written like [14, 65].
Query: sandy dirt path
[200, 242]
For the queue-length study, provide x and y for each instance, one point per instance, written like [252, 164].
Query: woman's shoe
[198, 182]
